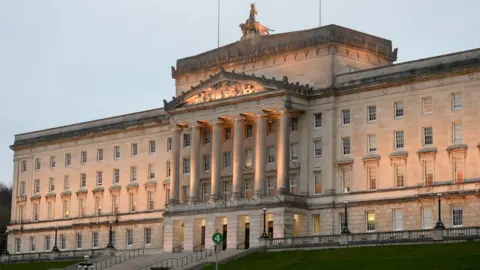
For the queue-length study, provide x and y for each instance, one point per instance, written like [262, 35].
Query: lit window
[457, 133]
[152, 146]
[397, 219]
[83, 180]
[427, 136]
[38, 164]
[248, 131]
[66, 209]
[99, 178]
[271, 154]
[318, 120]
[427, 105]
[427, 219]
[293, 151]
[133, 174]
[372, 143]
[370, 221]
[148, 236]
[186, 165]
[428, 171]
[317, 145]
[151, 171]
[134, 149]
[206, 137]
[294, 124]
[457, 101]
[316, 224]
[83, 157]
[227, 159]
[399, 109]
[457, 216]
[129, 237]
[227, 133]
[346, 117]
[372, 114]
[53, 162]
[345, 175]
[399, 175]
[68, 159]
[457, 169]
[399, 139]
[248, 158]
[116, 152]
[372, 177]
[346, 145]
[100, 154]
[116, 176]
[317, 178]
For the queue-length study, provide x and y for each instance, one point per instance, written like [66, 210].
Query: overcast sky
[63, 62]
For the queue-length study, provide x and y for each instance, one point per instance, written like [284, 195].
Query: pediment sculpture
[222, 90]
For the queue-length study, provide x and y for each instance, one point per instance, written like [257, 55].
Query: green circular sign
[217, 238]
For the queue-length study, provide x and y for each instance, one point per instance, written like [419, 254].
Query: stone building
[298, 123]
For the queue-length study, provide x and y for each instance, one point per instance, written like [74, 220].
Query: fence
[131, 254]
[183, 261]
[61, 255]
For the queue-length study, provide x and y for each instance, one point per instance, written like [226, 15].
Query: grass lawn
[36, 265]
[433, 256]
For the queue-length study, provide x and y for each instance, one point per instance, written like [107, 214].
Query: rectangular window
[63, 242]
[51, 183]
[78, 240]
[35, 212]
[22, 188]
[345, 175]
[399, 110]
[346, 117]
[18, 244]
[293, 183]
[318, 120]
[371, 114]
[167, 194]
[114, 237]
[152, 147]
[427, 103]
[270, 127]
[399, 175]
[372, 177]
[457, 216]
[341, 221]
[270, 185]
[168, 169]
[134, 149]
[399, 139]
[66, 209]
[116, 152]
[458, 169]
[247, 188]
[66, 182]
[293, 151]
[151, 172]
[36, 187]
[32, 244]
[68, 159]
[457, 132]
[317, 178]
[397, 216]
[186, 165]
[150, 200]
[38, 164]
[115, 203]
[227, 133]
[294, 124]
[427, 219]
[20, 212]
[169, 144]
[99, 178]
[46, 242]
[24, 165]
[116, 176]
[148, 236]
[227, 159]
[83, 180]
[205, 192]
[372, 143]
[132, 202]
[129, 237]
[83, 157]
[457, 101]
[316, 224]
[98, 206]
[427, 136]
[81, 207]
[428, 171]
[95, 240]
[186, 140]
[371, 221]
[186, 194]
[248, 131]
[100, 154]
[317, 146]
[206, 163]
[53, 162]
[249, 158]
[49, 210]
[271, 154]
[207, 137]
[346, 145]
[133, 174]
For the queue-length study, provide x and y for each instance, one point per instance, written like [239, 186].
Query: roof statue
[252, 27]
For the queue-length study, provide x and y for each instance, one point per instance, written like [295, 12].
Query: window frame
[397, 110]
[367, 221]
[346, 117]
[370, 113]
[424, 133]
[424, 104]
[396, 137]
[455, 106]
[454, 218]
[317, 120]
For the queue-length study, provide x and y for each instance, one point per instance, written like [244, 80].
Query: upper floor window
[51, 183]
[346, 117]
[169, 144]
[399, 139]
[134, 149]
[428, 171]
[372, 114]
[427, 105]
[399, 109]
[427, 136]
[99, 178]
[206, 163]
[116, 176]
[345, 176]
[293, 183]
[457, 133]
[116, 152]
[133, 174]
[36, 187]
[227, 159]
[100, 154]
[186, 140]
[317, 120]
[317, 146]
[83, 180]
[168, 169]
[249, 158]
[317, 179]
[271, 154]
[248, 131]
[227, 133]
[24, 165]
[186, 165]
[152, 147]
[150, 200]
[294, 124]
[458, 166]
[372, 143]
[293, 151]
[83, 157]
[457, 101]
[53, 162]
[151, 171]
[38, 164]
[207, 137]
[23, 188]
[68, 159]
[372, 177]
[399, 175]
[66, 182]
[346, 145]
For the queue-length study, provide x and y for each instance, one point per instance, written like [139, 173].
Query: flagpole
[319, 13]
[218, 25]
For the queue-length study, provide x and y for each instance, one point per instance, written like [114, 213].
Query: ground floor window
[316, 224]
[95, 240]
[148, 236]
[78, 240]
[427, 219]
[397, 219]
[114, 234]
[63, 242]
[457, 216]
[18, 244]
[129, 238]
[371, 221]
[47, 243]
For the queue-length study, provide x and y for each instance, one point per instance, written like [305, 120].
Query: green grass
[36, 265]
[464, 255]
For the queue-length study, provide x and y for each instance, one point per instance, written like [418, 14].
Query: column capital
[176, 128]
[240, 117]
[217, 121]
[261, 114]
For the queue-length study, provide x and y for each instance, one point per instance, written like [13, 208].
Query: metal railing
[182, 261]
[241, 246]
[47, 256]
[199, 248]
[129, 255]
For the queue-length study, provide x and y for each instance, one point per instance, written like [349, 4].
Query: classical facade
[298, 123]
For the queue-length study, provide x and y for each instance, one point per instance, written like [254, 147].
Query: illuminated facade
[297, 123]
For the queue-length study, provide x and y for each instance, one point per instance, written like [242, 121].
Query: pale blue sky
[63, 62]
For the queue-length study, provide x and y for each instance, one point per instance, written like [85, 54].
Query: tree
[5, 208]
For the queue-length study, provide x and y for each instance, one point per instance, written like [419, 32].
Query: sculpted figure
[252, 26]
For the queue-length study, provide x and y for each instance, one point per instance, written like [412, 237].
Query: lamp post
[55, 248]
[345, 229]
[5, 250]
[110, 245]
[264, 234]
[439, 224]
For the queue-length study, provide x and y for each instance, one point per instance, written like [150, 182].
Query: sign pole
[217, 239]
[216, 256]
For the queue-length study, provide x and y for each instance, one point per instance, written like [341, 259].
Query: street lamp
[439, 224]
[110, 245]
[55, 248]
[264, 234]
[5, 250]
[345, 229]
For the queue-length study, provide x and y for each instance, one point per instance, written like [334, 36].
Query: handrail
[182, 261]
[177, 249]
[202, 247]
[131, 254]
[242, 243]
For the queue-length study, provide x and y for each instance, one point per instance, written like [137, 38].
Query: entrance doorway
[224, 247]
[247, 235]
[270, 229]
[202, 240]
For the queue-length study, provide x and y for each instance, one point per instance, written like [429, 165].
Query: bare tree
[5, 208]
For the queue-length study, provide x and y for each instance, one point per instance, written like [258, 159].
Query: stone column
[237, 157]
[232, 231]
[260, 154]
[175, 166]
[195, 164]
[216, 166]
[283, 153]
[188, 234]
